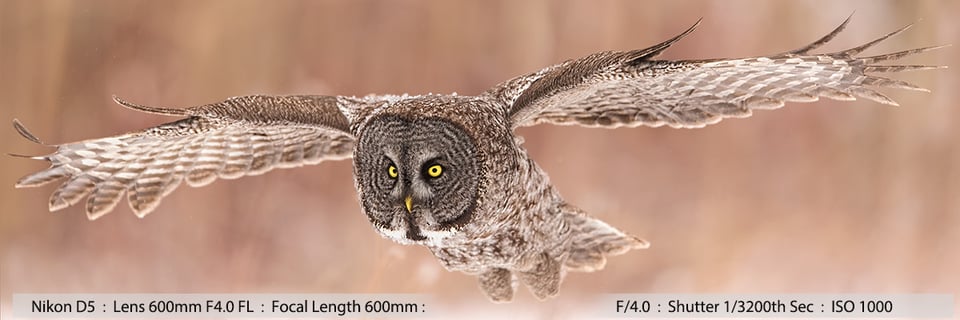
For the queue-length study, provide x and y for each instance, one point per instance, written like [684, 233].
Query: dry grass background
[824, 197]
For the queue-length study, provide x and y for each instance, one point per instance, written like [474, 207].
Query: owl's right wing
[241, 136]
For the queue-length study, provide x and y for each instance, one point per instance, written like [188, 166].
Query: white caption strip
[776, 305]
[177, 306]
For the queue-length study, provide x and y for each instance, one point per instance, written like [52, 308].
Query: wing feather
[238, 137]
[613, 89]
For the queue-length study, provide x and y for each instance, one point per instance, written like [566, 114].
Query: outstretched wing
[241, 136]
[612, 89]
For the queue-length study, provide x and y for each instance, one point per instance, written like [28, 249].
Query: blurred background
[825, 197]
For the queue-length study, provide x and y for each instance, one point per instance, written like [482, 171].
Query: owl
[447, 172]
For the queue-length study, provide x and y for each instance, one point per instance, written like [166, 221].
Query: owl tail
[594, 240]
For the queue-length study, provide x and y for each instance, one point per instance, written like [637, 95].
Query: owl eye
[435, 171]
[392, 171]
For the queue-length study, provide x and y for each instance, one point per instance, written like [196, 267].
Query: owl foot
[498, 284]
[545, 277]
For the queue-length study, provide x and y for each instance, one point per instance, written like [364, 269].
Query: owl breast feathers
[446, 171]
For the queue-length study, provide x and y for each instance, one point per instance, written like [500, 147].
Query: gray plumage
[447, 171]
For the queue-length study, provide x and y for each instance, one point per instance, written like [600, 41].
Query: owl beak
[409, 202]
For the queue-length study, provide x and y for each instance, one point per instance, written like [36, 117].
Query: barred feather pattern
[613, 89]
[208, 144]
[516, 228]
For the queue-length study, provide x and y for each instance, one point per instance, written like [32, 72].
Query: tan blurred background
[825, 197]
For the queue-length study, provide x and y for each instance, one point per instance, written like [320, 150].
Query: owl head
[418, 177]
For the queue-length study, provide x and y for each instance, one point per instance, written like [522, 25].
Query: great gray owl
[446, 171]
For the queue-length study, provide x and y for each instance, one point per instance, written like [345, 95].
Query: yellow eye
[435, 170]
[392, 171]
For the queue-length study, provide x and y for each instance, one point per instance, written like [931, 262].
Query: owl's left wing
[241, 136]
[613, 89]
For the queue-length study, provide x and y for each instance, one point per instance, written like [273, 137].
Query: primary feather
[613, 89]
[238, 137]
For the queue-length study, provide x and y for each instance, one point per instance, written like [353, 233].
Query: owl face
[417, 177]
